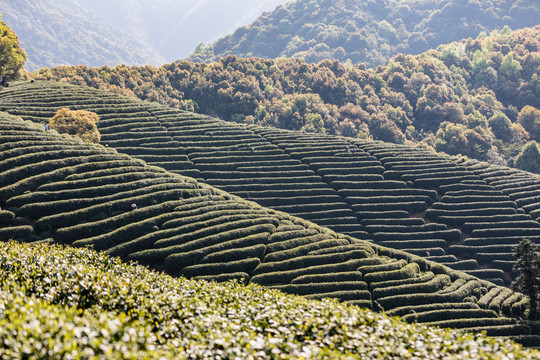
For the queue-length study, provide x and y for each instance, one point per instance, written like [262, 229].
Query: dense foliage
[529, 158]
[64, 302]
[80, 123]
[58, 33]
[12, 56]
[366, 31]
[135, 32]
[528, 281]
[479, 97]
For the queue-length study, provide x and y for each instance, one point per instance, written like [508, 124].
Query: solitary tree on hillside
[529, 158]
[12, 57]
[79, 123]
[528, 280]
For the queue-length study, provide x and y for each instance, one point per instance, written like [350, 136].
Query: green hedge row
[411, 310]
[91, 173]
[389, 198]
[435, 214]
[297, 248]
[40, 209]
[387, 192]
[483, 323]
[352, 171]
[204, 244]
[304, 181]
[286, 276]
[235, 254]
[424, 244]
[459, 186]
[448, 235]
[388, 214]
[291, 232]
[425, 277]
[431, 286]
[407, 271]
[15, 232]
[427, 298]
[396, 222]
[444, 314]
[122, 205]
[408, 206]
[461, 220]
[310, 260]
[244, 265]
[346, 295]
[266, 223]
[322, 287]
[349, 276]
[501, 232]
[386, 184]
[405, 228]
[6, 217]
[469, 227]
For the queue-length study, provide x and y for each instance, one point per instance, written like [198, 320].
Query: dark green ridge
[185, 227]
[394, 195]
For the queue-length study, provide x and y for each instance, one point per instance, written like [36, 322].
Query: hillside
[97, 33]
[69, 309]
[466, 98]
[367, 32]
[58, 188]
[458, 212]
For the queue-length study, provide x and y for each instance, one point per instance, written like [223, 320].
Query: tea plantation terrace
[440, 207]
[57, 188]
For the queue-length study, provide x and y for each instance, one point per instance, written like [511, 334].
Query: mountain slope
[452, 210]
[463, 98]
[97, 33]
[58, 187]
[72, 303]
[367, 31]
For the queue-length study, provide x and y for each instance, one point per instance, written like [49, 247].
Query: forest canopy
[478, 97]
[366, 31]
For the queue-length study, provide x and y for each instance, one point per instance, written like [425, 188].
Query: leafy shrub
[80, 123]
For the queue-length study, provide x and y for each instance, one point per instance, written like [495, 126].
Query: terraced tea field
[457, 212]
[58, 188]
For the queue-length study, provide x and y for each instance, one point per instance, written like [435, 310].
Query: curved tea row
[55, 187]
[394, 195]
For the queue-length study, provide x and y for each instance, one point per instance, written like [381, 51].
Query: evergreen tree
[528, 281]
[529, 158]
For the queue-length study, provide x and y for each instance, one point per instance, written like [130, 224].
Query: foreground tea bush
[65, 302]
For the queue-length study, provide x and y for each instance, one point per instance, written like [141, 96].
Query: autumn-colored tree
[529, 118]
[78, 123]
[12, 57]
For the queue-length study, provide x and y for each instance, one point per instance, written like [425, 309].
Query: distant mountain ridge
[135, 32]
[367, 31]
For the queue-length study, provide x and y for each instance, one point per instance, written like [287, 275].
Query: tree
[80, 123]
[501, 126]
[529, 118]
[529, 158]
[528, 280]
[12, 57]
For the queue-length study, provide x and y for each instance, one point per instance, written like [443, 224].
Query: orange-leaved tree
[80, 123]
[12, 57]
